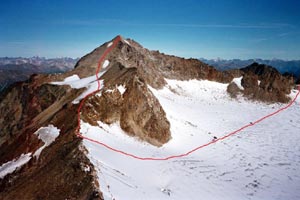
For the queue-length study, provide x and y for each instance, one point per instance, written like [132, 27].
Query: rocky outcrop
[233, 90]
[136, 108]
[265, 83]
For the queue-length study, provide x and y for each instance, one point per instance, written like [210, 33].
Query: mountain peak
[260, 69]
[117, 85]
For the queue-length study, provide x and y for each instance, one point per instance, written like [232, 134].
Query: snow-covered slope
[260, 162]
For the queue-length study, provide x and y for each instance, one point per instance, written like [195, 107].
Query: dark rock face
[233, 90]
[142, 114]
[273, 86]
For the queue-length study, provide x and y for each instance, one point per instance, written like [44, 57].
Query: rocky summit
[37, 166]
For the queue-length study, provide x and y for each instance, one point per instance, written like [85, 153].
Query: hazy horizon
[200, 58]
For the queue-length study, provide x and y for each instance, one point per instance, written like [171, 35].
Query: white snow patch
[261, 162]
[87, 168]
[238, 82]
[47, 135]
[13, 165]
[105, 64]
[109, 90]
[91, 87]
[90, 83]
[258, 82]
[72, 78]
[121, 89]
[109, 44]
[78, 83]
[126, 42]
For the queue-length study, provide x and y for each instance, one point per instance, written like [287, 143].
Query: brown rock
[233, 90]
[138, 110]
[273, 87]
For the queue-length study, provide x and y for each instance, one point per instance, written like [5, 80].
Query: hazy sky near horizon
[190, 28]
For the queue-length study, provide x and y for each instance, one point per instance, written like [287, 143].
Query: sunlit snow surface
[121, 89]
[47, 135]
[126, 41]
[261, 162]
[90, 83]
[105, 64]
[109, 44]
[13, 165]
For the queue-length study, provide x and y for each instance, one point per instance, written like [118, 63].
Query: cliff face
[62, 170]
[126, 98]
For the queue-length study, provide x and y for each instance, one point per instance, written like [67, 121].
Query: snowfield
[260, 162]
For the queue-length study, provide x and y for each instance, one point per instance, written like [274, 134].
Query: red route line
[115, 42]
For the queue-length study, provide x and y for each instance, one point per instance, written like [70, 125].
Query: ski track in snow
[260, 162]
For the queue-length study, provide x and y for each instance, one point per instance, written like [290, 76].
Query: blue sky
[188, 28]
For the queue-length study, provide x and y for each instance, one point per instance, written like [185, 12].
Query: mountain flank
[62, 170]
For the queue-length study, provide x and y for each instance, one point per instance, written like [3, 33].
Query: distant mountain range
[48, 64]
[19, 69]
[283, 66]
[13, 69]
